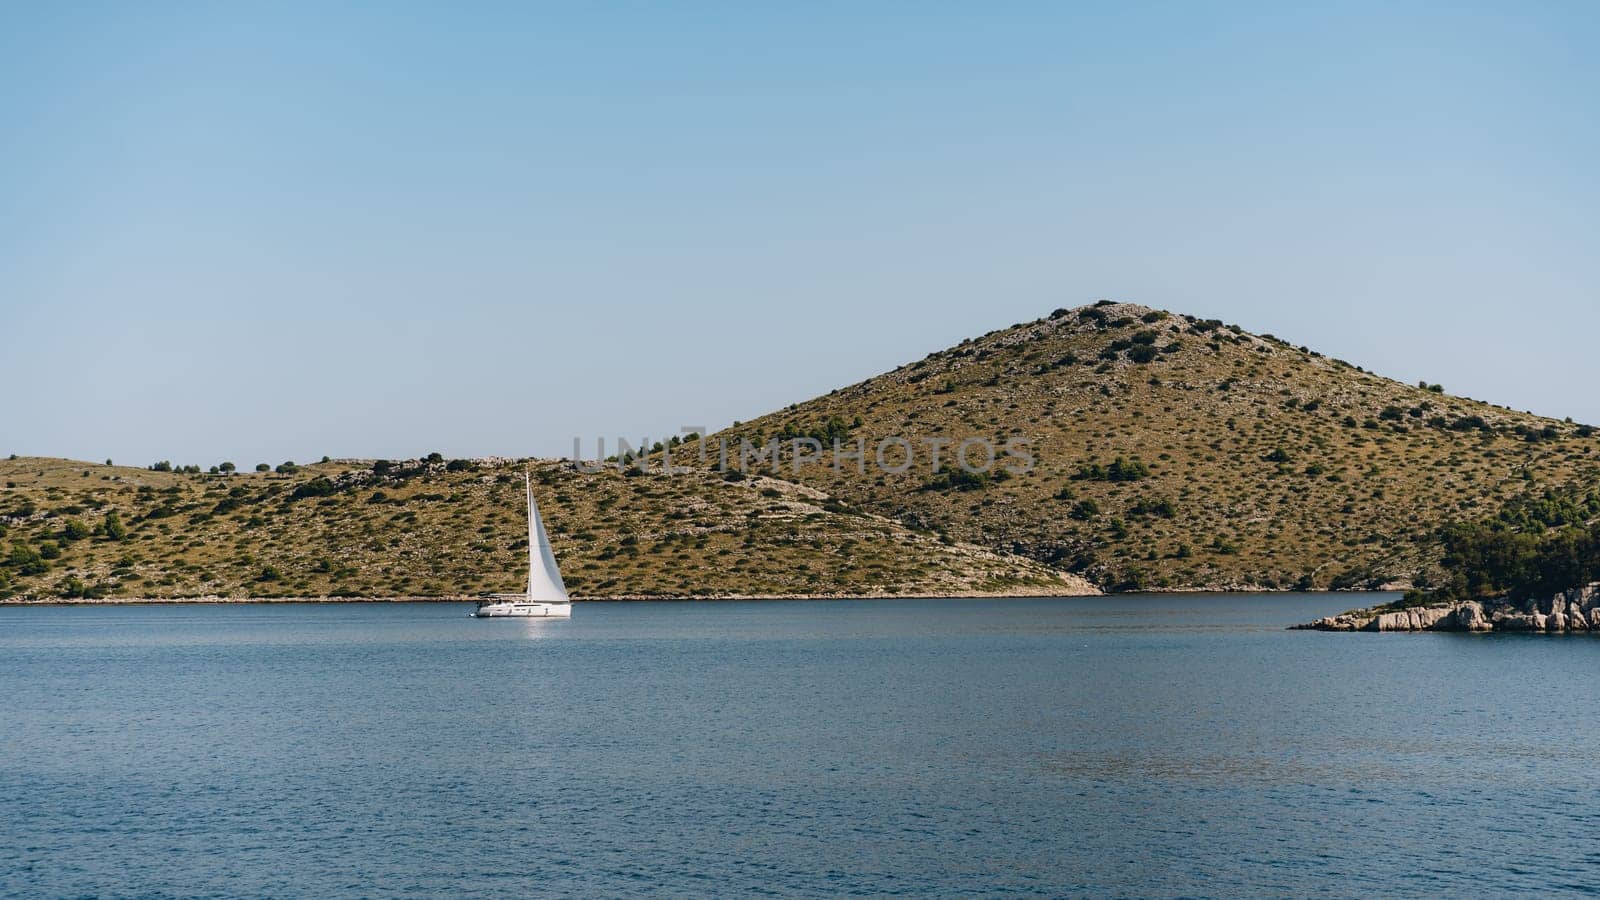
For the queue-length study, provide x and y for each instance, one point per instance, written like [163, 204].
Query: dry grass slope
[1268, 465]
[420, 529]
[1172, 453]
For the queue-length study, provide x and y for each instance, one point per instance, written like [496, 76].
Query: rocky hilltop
[1574, 610]
[1180, 453]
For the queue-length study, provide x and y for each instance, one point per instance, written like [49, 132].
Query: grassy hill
[1170, 453]
[443, 528]
[1245, 461]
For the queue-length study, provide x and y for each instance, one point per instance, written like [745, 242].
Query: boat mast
[527, 484]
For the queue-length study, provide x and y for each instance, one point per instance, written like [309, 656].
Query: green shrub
[1354, 578]
[1153, 507]
[75, 530]
[1119, 470]
[316, 487]
[28, 561]
[263, 467]
[826, 431]
[958, 479]
[114, 529]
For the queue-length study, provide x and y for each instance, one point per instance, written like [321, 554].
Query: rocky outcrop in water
[1574, 610]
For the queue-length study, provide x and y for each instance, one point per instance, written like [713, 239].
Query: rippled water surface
[1142, 746]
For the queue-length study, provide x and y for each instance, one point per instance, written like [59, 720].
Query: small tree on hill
[27, 561]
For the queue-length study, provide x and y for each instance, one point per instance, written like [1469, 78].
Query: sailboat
[547, 595]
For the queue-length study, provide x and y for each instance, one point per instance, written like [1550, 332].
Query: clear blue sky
[384, 229]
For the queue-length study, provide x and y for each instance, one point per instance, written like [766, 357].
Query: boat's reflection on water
[538, 628]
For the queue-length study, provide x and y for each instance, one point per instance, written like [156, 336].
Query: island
[1113, 448]
[1508, 574]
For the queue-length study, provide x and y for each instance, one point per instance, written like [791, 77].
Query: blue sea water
[1127, 746]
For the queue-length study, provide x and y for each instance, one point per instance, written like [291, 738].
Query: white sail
[544, 578]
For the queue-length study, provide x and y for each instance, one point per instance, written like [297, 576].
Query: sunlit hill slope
[1169, 453]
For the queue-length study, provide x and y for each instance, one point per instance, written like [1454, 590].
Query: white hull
[524, 610]
[547, 596]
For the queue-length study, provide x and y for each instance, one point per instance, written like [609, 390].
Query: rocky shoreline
[1570, 611]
